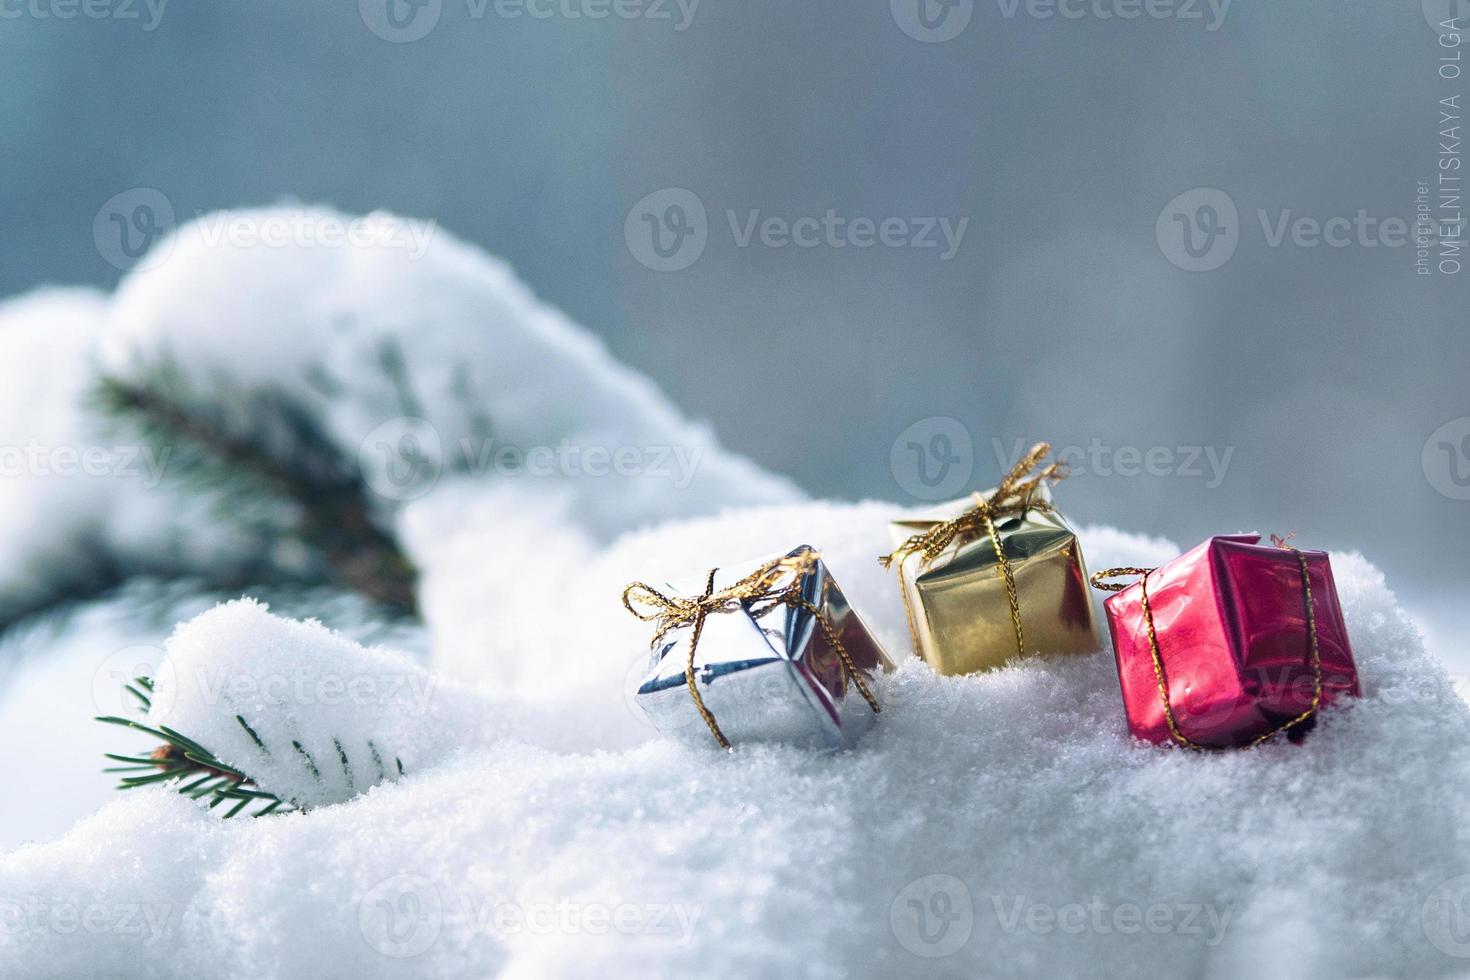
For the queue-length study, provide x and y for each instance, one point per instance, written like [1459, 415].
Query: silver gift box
[767, 678]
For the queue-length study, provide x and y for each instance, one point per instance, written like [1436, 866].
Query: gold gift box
[958, 608]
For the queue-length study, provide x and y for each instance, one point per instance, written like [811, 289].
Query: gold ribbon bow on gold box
[995, 575]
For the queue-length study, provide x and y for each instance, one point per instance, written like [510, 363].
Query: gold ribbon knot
[1314, 653]
[1015, 495]
[757, 593]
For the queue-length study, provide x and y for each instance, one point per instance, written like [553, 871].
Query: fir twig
[203, 775]
[270, 448]
[181, 759]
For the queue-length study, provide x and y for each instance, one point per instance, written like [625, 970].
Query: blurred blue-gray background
[1126, 272]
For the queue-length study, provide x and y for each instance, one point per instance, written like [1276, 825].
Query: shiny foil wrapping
[959, 614]
[1230, 618]
[774, 678]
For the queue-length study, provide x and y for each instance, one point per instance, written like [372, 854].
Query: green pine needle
[201, 775]
[270, 467]
[182, 760]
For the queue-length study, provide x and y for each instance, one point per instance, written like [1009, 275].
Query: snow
[63, 669]
[994, 825]
[78, 500]
[520, 848]
[40, 405]
[418, 347]
[492, 381]
[313, 717]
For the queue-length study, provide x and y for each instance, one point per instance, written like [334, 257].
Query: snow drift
[994, 825]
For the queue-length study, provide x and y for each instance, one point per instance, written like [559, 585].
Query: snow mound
[45, 519]
[418, 352]
[995, 825]
[80, 503]
[313, 717]
[431, 369]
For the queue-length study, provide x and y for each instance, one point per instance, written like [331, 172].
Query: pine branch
[182, 759]
[204, 776]
[267, 451]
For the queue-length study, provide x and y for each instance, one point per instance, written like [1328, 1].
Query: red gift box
[1229, 643]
